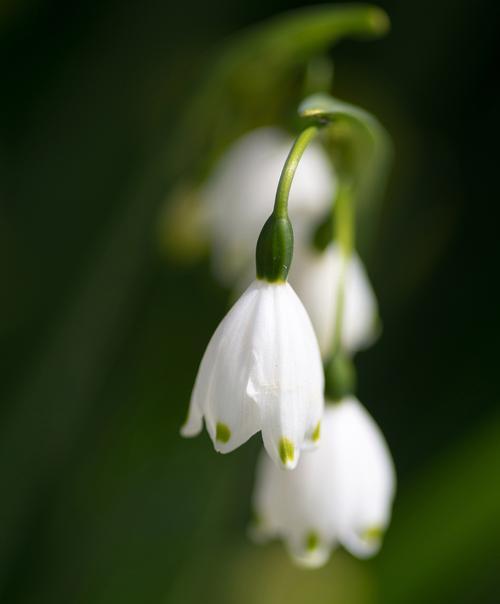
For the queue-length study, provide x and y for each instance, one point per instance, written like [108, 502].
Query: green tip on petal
[222, 433]
[373, 533]
[287, 450]
[312, 541]
[317, 433]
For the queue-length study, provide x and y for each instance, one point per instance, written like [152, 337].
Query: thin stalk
[344, 236]
[289, 169]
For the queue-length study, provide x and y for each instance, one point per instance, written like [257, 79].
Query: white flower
[261, 371]
[241, 190]
[315, 277]
[340, 493]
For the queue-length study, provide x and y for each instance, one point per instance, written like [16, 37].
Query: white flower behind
[261, 371]
[315, 276]
[237, 197]
[341, 493]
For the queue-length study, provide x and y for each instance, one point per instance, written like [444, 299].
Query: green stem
[274, 250]
[340, 374]
[344, 236]
[289, 169]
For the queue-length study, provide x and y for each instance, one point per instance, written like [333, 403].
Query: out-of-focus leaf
[446, 525]
[48, 411]
[265, 574]
[256, 79]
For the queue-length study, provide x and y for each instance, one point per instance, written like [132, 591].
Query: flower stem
[340, 374]
[344, 236]
[289, 169]
[274, 250]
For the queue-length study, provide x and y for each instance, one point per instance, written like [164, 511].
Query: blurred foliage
[102, 501]
[443, 520]
[259, 78]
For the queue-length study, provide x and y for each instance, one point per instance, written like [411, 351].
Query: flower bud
[274, 249]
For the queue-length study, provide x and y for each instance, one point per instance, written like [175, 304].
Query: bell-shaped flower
[340, 493]
[241, 189]
[261, 372]
[315, 276]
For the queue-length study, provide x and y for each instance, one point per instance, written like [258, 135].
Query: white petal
[220, 387]
[202, 386]
[194, 421]
[315, 275]
[286, 379]
[290, 506]
[360, 327]
[261, 371]
[364, 477]
[240, 193]
[341, 492]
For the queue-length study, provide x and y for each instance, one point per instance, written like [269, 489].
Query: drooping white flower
[340, 493]
[239, 193]
[315, 276]
[261, 371]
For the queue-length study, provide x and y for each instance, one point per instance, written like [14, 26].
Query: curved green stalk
[289, 169]
[324, 107]
[340, 374]
[365, 154]
[251, 81]
[344, 236]
[275, 244]
[255, 71]
[363, 149]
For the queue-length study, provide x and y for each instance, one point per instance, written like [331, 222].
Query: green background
[101, 500]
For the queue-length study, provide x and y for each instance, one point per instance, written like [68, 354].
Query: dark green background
[101, 501]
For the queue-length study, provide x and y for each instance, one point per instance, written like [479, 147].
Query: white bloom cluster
[262, 369]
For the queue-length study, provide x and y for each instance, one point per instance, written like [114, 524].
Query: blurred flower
[261, 371]
[342, 492]
[240, 192]
[315, 277]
